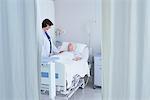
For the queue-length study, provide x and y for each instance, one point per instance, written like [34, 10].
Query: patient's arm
[77, 58]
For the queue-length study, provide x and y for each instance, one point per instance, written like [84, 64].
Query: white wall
[47, 10]
[79, 18]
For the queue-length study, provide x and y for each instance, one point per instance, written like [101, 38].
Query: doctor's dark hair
[46, 22]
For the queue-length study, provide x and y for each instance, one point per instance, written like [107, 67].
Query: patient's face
[71, 47]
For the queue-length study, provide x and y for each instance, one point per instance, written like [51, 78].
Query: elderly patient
[77, 55]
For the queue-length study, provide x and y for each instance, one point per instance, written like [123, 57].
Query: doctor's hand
[56, 53]
[61, 51]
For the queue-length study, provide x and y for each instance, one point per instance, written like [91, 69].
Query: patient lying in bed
[77, 55]
[70, 53]
[71, 49]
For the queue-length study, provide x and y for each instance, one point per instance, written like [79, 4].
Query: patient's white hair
[71, 43]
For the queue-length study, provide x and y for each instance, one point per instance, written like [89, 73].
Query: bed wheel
[82, 86]
[84, 81]
[94, 87]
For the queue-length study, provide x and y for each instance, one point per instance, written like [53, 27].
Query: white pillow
[64, 46]
[80, 47]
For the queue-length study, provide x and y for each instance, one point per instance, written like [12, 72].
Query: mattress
[72, 67]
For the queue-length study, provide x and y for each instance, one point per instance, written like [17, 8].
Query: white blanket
[72, 67]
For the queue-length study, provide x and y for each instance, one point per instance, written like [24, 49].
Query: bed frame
[60, 77]
[61, 83]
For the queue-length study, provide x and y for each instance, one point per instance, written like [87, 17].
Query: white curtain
[127, 68]
[18, 50]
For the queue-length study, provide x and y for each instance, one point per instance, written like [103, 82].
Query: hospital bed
[70, 74]
[47, 79]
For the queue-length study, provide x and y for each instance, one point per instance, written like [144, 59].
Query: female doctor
[48, 47]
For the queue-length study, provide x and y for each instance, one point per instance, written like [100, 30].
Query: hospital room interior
[74, 49]
[75, 26]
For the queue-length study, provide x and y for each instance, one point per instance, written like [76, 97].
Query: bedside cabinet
[97, 71]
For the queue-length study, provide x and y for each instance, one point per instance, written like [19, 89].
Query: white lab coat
[46, 46]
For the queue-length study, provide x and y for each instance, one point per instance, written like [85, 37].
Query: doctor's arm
[54, 49]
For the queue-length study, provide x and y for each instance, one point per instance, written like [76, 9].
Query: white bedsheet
[72, 67]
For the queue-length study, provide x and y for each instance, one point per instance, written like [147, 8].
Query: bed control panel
[47, 79]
